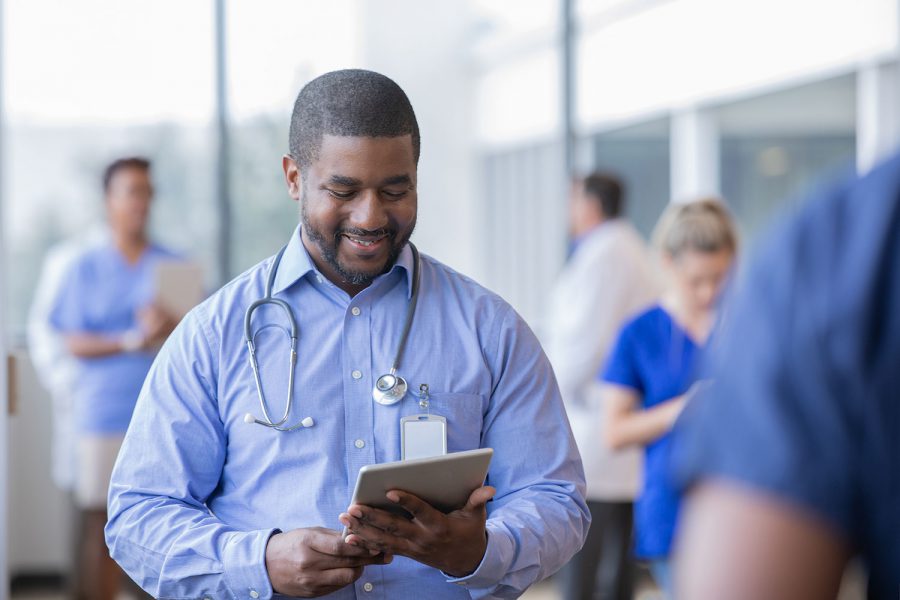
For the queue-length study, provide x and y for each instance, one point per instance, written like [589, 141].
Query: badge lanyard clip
[424, 402]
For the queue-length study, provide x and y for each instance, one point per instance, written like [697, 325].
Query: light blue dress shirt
[101, 294]
[197, 492]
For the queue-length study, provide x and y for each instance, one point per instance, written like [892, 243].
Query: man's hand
[454, 543]
[312, 562]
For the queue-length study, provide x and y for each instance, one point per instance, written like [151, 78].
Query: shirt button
[368, 587]
[356, 374]
[359, 443]
[355, 310]
[254, 594]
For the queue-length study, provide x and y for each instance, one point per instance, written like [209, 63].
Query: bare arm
[743, 545]
[155, 327]
[89, 345]
[626, 424]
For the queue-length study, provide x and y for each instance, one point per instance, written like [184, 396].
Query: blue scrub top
[805, 400]
[100, 295]
[656, 357]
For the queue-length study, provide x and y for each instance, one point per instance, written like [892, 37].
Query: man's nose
[368, 211]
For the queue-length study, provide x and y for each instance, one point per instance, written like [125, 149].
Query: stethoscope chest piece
[389, 389]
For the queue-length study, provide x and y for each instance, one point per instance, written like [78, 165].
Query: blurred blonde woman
[650, 373]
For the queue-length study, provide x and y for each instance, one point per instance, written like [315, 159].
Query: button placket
[356, 356]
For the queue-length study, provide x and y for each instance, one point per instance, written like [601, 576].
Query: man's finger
[389, 522]
[479, 498]
[419, 509]
[330, 542]
[329, 561]
[338, 578]
[363, 532]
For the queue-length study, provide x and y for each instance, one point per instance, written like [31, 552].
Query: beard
[328, 248]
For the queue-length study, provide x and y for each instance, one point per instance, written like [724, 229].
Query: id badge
[422, 436]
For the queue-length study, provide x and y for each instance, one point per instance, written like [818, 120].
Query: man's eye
[341, 195]
[395, 193]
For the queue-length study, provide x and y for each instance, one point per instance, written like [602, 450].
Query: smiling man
[208, 501]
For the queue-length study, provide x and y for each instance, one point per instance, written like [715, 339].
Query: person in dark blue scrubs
[792, 456]
[651, 370]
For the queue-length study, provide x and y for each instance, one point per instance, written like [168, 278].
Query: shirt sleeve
[159, 528]
[67, 312]
[776, 416]
[621, 366]
[539, 518]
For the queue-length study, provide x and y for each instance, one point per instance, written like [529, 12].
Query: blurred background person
[793, 453]
[55, 367]
[53, 364]
[105, 312]
[607, 279]
[651, 369]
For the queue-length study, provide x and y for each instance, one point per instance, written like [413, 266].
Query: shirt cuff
[494, 564]
[244, 561]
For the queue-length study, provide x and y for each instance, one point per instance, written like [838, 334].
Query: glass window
[69, 113]
[263, 81]
[640, 156]
[525, 224]
[775, 147]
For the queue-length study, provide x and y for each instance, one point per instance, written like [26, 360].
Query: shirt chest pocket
[465, 416]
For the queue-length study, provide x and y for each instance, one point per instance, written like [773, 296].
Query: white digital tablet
[445, 482]
[179, 286]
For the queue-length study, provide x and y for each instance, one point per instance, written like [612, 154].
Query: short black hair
[608, 191]
[131, 162]
[351, 102]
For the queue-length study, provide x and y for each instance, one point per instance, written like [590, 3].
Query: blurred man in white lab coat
[607, 278]
[54, 366]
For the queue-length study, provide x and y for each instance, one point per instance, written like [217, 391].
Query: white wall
[41, 517]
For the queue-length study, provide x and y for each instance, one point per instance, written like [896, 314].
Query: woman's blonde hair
[702, 225]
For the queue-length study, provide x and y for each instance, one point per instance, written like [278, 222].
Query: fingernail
[355, 512]
[393, 497]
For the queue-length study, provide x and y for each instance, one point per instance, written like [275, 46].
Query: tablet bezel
[445, 482]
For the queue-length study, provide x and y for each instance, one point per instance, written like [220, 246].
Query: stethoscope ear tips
[249, 419]
[308, 422]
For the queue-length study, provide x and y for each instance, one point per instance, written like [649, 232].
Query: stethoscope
[389, 389]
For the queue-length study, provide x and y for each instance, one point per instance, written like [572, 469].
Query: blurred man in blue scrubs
[205, 504]
[793, 455]
[106, 314]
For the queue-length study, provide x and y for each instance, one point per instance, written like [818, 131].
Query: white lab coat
[608, 279]
[55, 367]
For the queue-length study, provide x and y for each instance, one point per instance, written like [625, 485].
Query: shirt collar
[296, 263]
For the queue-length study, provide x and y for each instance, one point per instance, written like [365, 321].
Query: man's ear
[292, 176]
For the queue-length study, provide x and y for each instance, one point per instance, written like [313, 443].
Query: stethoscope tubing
[294, 334]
